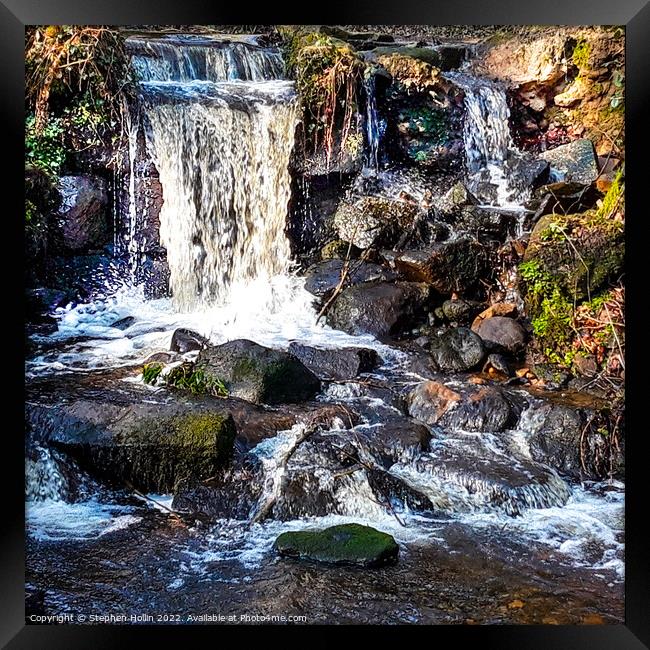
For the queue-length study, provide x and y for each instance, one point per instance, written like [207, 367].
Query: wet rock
[163, 357]
[379, 308]
[83, 212]
[154, 273]
[395, 439]
[502, 333]
[457, 197]
[458, 310]
[324, 277]
[351, 544]
[457, 350]
[485, 224]
[574, 162]
[373, 220]
[123, 323]
[185, 340]
[45, 300]
[498, 363]
[258, 374]
[451, 266]
[470, 408]
[336, 250]
[148, 445]
[336, 363]
[498, 309]
[444, 57]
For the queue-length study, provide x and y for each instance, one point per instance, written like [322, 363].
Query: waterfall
[489, 146]
[220, 127]
[374, 126]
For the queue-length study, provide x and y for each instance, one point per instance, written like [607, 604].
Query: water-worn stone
[457, 350]
[502, 332]
[498, 309]
[470, 408]
[335, 363]
[124, 323]
[351, 544]
[373, 220]
[379, 308]
[458, 310]
[447, 266]
[575, 162]
[322, 278]
[82, 212]
[185, 340]
[258, 374]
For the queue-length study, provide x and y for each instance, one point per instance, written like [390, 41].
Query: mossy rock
[258, 374]
[578, 253]
[337, 250]
[347, 544]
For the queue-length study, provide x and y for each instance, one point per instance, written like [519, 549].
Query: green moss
[345, 544]
[336, 250]
[612, 198]
[581, 53]
[187, 377]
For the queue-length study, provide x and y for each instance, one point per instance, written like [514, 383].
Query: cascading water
[375, 126]
[489, 146]
[225, 198]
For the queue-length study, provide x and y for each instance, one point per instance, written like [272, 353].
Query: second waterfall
[225, 198]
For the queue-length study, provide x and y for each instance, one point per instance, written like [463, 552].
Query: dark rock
[575, 161]
[163, 357]
[374, 220]
[379, 308]
[444, 57]
[458, 311]
[451, 266]
[45, 300]
[499, 363]
[258, 374]
[501, 332]
[324, 277]
[351, 544]
[124, 323]
[337, 250]
[154, 273]
[184, 340]
[457, 350]
[336, 363]
[83, 212]
[470, 408]
[457, 197]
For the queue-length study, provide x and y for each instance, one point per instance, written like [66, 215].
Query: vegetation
[186, 377]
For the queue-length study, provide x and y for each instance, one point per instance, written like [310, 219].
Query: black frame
[634, 14]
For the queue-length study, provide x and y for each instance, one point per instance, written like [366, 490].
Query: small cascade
[45, 478]
[374, 126]
[224, 213]
[489, 148]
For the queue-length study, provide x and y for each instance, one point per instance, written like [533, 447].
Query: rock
[379, 308]
[348, 544]
[185, 340]
[373, 220]
[502, 332]
[451, 266]
[470, 408]
[336, 363]
[83, 212]
[124, 323]
[154, 273]
[458, 196]
[444, 57]
[457, 350]
[149, 445]
[457, 310]
[324, 277]
[163, 357]
[575, 162]
[498, 309]
[45, 300]
[336, 250]
[258, 374]
[498, 363]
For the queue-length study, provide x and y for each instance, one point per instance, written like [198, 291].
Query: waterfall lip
[199, 40]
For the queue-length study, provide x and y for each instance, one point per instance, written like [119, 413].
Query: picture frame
[633, 14]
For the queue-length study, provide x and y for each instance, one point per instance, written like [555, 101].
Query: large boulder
[451, 266]
[351, 544]
[185, 340]
[379, 308]
[467, 408]
[373, 220]
[457, 350]
[258, 374]
[322, 278]
[82, 212]
[502, 332]
[573, 162]
[335, 363]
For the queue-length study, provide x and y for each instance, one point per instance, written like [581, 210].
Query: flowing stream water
[220, 120]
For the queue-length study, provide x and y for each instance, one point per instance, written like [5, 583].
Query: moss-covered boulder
[258, 374]
[348, 544]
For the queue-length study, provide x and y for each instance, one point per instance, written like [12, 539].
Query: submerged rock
[123, 323]
[258, 374]
[457, 350]
[447, 266]
[379, 308]
[324, 277]
[352, 544]
[336, 363]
